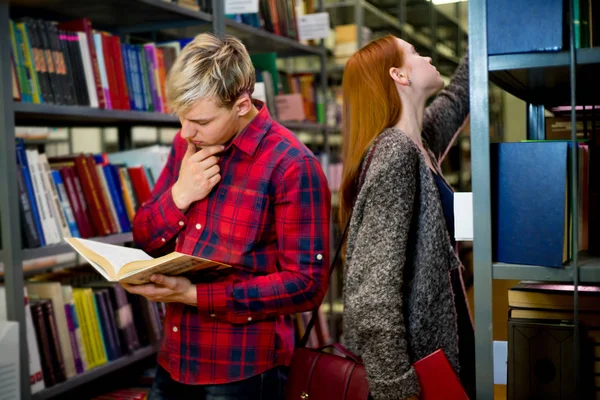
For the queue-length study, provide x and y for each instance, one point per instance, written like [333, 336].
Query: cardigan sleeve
[448, 111]
[374, 325]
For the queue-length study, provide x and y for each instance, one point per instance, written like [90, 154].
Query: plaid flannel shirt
[269, 218]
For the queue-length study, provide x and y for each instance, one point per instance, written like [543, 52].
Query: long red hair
[371, 104]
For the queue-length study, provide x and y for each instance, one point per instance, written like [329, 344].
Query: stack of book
[541, 340]
[76, 323]
[70, 63]
[81, 195]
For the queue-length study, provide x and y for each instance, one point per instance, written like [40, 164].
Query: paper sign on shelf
[313, 26]
[260, 92]
[241, 6]
[463, 216]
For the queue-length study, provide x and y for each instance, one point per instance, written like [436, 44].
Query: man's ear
[399, 76]
[243, 105]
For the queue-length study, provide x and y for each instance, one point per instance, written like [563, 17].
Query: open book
[124, 264]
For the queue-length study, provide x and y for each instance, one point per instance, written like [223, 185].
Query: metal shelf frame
[144, 17]
[483, 69]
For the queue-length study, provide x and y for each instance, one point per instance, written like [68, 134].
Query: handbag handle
[315, 314]
[344, 351]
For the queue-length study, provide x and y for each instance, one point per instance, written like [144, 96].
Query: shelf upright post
[480, 172]
[433, 27]
[574, 194]
[359, 20]
[12, 254]
[458, 30]
[125, 137]
[218, 17]
[536, 122]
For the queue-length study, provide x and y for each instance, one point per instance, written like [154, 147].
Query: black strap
[315, 313]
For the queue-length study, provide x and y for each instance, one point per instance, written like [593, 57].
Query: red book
[437, 378]
[140, 183]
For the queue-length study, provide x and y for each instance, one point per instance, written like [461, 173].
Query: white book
[36, 377]
[9, 362]
[87, 70]
[102, 68]
[49, 226]
[57, 208]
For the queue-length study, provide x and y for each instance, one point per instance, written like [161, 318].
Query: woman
[403, 291]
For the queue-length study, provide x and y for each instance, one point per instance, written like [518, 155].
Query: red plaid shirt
[269, 219]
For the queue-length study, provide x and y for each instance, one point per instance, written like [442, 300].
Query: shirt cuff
[212, 298]
[169, 216]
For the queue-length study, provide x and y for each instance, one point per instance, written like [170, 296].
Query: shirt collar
[250, 137]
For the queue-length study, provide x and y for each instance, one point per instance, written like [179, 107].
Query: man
[240, 189]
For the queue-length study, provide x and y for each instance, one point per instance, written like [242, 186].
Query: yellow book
[124, 264]
[126, 197]
[84, 325]
[30, 64]
[96, 333]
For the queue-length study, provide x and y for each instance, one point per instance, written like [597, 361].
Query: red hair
[371, 104]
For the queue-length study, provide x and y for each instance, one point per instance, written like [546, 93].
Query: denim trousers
[266, 386]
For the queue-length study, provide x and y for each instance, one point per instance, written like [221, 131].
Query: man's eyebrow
[199, 119]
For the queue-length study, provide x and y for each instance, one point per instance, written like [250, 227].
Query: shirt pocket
[241, 214]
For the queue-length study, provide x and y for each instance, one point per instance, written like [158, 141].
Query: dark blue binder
[529, 202]
[524, 26]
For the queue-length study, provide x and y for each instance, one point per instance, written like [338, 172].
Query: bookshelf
[432, 32]
[98, 372]
[150, 19]
[542, 80]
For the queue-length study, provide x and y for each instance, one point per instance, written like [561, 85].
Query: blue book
[530, 203]
[64, 202]
[518, 26]
[22, 163]
[117, 200]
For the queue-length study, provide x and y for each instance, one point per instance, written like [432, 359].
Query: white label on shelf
[500, 362]
[241, 6]
[260, 92]
[463, 217]
[313, 26]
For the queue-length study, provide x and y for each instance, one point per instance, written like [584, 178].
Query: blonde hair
[210, 67]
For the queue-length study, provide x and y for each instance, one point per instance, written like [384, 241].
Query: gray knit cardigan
[398, 298]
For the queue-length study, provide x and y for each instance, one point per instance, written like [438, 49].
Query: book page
[172, 265]
[117, 256]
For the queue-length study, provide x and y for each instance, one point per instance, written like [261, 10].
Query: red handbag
[318, 375]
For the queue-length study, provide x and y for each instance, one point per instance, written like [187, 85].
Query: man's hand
[168, 289]
[198, 175]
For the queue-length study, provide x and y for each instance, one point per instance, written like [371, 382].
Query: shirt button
[181, 223]
[249, 318]
[198, 226]
[212, 315]
[319, 257]
[163, 240]
[175, 329]
[176, 240]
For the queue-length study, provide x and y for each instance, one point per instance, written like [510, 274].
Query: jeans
[266, 386]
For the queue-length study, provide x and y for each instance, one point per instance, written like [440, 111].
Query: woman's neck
[411, 123]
